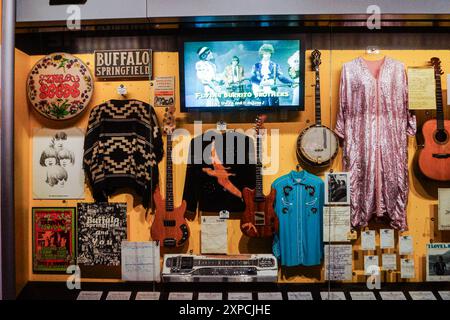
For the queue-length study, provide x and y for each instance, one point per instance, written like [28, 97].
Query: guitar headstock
[259, 124]
[169, 124]
[436, 63]
[315, 59]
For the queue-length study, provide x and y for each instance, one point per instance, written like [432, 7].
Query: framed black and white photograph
[438, 262]
[58, 163]
[337, 188]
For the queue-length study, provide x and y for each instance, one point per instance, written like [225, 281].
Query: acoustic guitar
[317, 145]
[259, 219]
[434, 158]
[169, 225]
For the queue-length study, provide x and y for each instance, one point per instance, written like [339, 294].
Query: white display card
[406, 245]
[270, 296]
[407, 268]
[90, 295]
[371, 265]
[118, 295]
[240, 296]
[148, 295]
[392, 295]
[180, 296]
[332, 295]
[422, 295]
[389, 262]
[300, 296]
[368, 240]
[210, 296]
[363, 295]
[387, 238]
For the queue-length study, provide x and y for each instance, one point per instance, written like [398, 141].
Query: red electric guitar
[169, 226]
[434, 158]
[259, 219]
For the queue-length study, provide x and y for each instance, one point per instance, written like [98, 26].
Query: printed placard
[300, 296]
[181, 296]
[90, 295]
[148, 295]
[368, 240]
[118, 295]
[123, 64]
[406, 245]
[422, 295]
[371, 265]
[392, 295]
[210, 296]
[407, 268]
[363, 295]
[240, 296]
[444, 207]
[270, 296]
[387, 238]
[333, 295]
[389, 262]
[445, 295]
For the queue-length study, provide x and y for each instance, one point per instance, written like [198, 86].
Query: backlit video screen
[242, 74]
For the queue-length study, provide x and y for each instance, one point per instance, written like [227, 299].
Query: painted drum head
[60, 86]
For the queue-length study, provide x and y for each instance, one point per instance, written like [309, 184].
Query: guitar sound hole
[441, 136]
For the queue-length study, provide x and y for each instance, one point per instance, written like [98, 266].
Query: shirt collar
[299, 177]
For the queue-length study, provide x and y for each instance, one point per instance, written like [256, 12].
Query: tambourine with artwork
[60, 86]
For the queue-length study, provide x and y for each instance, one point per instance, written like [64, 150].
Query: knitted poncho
[122, 149]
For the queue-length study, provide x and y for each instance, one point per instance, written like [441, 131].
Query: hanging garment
[122, 149]
[374, 121]
[299, 207]
[219, 166]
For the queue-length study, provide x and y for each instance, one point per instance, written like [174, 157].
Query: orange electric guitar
[169, 226]
[434, 158]
[259, 218]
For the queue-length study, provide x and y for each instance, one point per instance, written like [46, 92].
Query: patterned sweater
[122, 149]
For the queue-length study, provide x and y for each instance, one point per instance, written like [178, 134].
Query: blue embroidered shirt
[299, 207]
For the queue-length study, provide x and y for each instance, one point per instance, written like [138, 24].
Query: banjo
[317, 145]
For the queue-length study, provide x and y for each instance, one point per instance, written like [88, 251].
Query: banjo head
[317, 145]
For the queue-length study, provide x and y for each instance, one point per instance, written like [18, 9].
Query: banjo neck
[317, 97]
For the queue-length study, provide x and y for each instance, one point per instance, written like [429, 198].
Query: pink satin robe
[374, 121]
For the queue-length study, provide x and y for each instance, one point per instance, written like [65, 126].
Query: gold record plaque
[60, 86]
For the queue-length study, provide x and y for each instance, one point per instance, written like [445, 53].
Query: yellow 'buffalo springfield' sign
[123, 64]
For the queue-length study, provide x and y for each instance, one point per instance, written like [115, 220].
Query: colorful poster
[164, 92]
[53, 239]
[58, 163]
[438, 262]
[101, 229]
